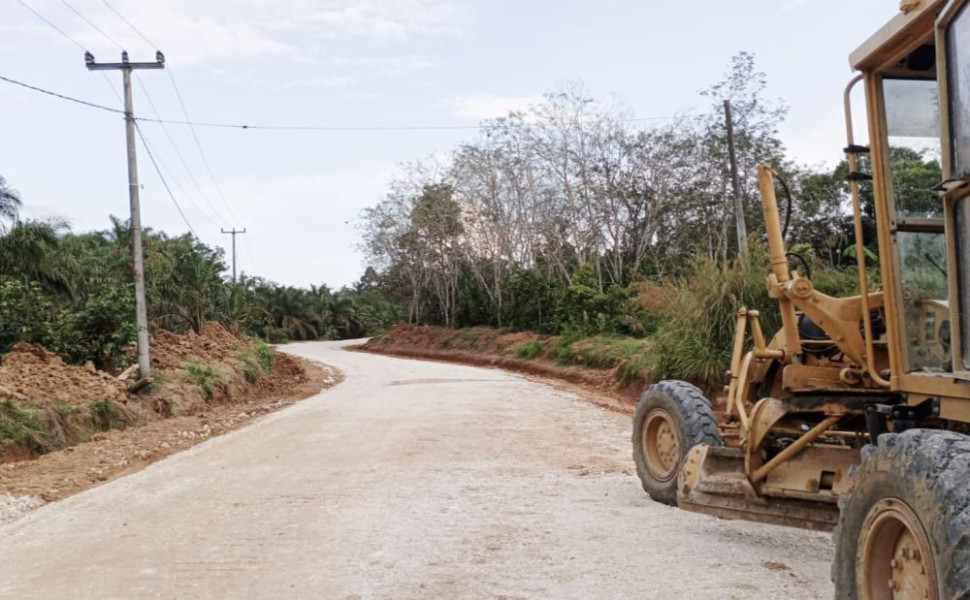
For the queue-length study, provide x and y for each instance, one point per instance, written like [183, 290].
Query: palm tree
[10, 204]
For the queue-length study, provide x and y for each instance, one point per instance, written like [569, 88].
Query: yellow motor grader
[856, 414]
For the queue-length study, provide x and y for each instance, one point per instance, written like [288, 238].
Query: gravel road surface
[409, 480]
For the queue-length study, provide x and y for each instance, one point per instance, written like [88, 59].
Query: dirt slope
[65, 428]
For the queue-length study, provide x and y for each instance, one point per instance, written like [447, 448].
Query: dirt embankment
[602, 369]
[64, 428]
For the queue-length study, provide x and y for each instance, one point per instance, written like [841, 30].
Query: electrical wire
[151, 157]
[93, 26]
[375, 127]
[62, 96]
[295, 127]
[183, 162]
[54, 27]
[198, 144]
[188, 121]
[129, 24]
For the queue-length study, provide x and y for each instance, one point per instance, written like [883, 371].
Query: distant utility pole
[141, 312]
[234, 232]
[735, 181]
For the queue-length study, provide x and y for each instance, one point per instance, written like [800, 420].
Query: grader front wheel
[671, 418]
[904, 526]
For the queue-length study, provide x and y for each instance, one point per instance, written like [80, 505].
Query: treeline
[557, 218]
[73, 292]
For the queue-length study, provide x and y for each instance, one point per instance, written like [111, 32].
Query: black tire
[685, 420]
[923, 471]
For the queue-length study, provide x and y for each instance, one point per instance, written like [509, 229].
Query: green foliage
[256, 361]
[698, 314]
[26, 314]
[100, 330]
[251, 370]
[203, 375]
[529, 349]
[265, 356]
[22, 427]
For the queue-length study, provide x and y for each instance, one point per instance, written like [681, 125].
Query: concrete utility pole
[141, 312]
[735, 181]
[234, 232]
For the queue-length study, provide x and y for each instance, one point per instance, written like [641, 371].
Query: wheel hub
[895, 555]
[661, 444]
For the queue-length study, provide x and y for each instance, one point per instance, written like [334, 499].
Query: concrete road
[408, 480]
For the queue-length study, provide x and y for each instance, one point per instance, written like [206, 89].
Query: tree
[10, 204]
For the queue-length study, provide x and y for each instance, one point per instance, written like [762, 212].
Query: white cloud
[489, 106]
[381, 19]
[195, 32]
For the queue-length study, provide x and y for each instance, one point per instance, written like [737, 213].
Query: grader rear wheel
[904, 526]
[671, 418]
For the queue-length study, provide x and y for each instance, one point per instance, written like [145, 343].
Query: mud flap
[712, 481]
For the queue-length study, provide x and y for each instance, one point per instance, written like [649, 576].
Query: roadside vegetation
[615, 236]
[72, 292]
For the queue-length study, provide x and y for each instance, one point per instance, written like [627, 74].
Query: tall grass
[697, 312]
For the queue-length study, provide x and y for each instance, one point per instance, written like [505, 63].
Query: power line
[198, 144]
[129, 24]
[188, 121]
[54, 27]
[93, 26]
[309, 127]
[151, 157]
[62, 96]
[182, 160]
[175, 182]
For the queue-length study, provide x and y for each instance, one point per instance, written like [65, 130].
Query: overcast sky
[368, 63]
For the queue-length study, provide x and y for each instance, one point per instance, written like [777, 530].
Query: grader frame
[884, 391]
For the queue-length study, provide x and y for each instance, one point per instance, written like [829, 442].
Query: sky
[365, 63]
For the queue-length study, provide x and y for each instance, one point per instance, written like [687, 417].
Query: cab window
[913, 128]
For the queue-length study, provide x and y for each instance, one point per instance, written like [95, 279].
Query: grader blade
[712, 481]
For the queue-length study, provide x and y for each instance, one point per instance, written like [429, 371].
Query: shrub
[529, 349]
[100, 331]
[26, 314]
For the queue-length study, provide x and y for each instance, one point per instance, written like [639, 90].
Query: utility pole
[138, 259]
[234, 232]
[735, 182]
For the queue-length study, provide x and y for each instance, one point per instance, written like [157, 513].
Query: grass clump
[22, 427]
[256, 361]
[203, 375]
[529, 349]
[106, 415]
[697, 313]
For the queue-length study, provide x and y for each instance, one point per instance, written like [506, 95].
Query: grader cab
[856, 414]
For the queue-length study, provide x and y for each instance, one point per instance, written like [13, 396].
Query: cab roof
[906, 31]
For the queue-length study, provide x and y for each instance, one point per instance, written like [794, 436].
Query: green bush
[529, 349]
[26, 314]
[100, 331]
